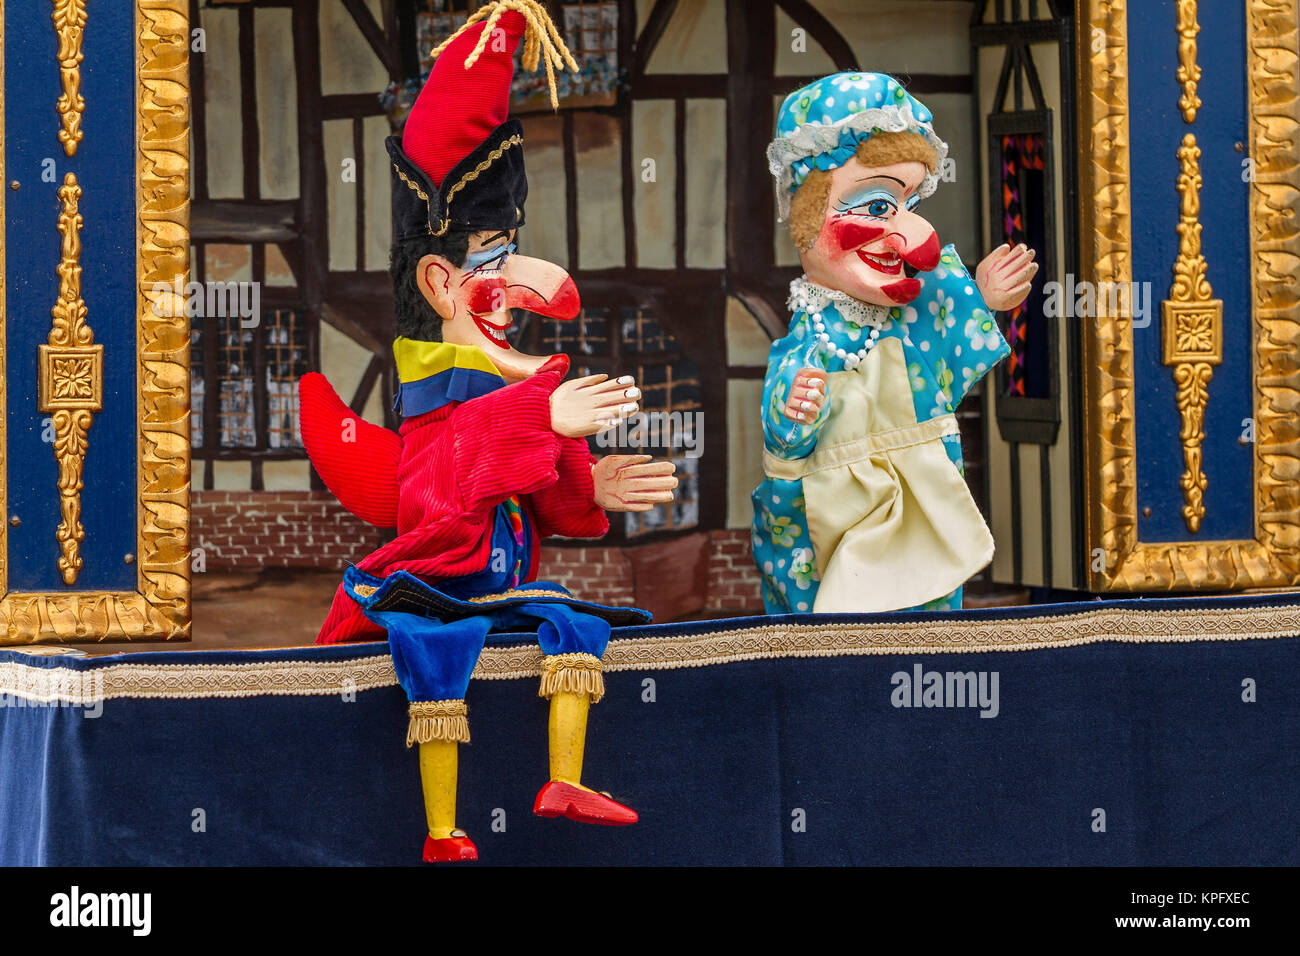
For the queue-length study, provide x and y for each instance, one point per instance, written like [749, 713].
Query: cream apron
[891, 522]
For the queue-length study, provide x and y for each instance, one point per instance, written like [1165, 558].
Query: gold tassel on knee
[437, 720]
[574, 673]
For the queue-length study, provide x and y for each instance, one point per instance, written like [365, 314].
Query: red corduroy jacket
[440, 479]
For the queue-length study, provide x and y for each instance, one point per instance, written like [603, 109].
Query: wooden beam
[761, 309]
[570, 188]
[751, 47]
[312, 209]
[669, 86]
[350, 105]
[804, 14]
[680, 150]
[362, 308]
[198, 117]
[251, 142]
[358, 333]
[1027, 31]
[243, 220]
[374, 35]
[655, 25]
[366, 385]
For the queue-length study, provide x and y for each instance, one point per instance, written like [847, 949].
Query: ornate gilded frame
[1272, 558]
[159, 607]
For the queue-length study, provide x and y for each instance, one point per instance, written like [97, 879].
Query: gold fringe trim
[437, 720]
[542, 41]
[574, 674]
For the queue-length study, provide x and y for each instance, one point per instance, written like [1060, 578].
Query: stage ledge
[45, 673]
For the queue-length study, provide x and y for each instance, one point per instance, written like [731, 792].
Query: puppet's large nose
[540, 286]
[915, 240]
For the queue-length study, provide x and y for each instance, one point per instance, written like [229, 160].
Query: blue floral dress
[949, 341]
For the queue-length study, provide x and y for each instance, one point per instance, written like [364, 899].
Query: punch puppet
[863, 506]
[491, 456]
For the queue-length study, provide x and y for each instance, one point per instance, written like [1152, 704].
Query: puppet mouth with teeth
[890, 263]
[496, 334]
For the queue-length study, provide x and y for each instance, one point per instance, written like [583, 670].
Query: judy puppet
[863, 506]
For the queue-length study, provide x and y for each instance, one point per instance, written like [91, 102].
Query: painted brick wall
[286, 529]
[246, 530]
[733, 578]
[605, 574]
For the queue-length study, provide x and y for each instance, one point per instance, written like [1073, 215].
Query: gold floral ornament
[1189, 71]
[69, 24]
[1193, 333]
[71, 381]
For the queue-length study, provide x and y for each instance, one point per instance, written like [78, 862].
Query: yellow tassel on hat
[541, 39]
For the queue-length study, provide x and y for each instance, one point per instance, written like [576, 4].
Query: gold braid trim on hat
[474, 173]
[541, 39]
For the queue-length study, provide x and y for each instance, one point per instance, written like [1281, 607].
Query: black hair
[416, 319]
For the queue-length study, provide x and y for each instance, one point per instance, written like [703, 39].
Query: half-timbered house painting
[649, 184]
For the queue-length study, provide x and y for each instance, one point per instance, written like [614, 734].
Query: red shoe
[456, 848]
[586, 806]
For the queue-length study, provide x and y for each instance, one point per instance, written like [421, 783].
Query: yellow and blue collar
[431, 374]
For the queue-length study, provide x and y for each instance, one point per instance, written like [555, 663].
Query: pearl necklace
[810, 298]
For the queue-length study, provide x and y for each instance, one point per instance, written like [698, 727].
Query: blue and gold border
[1272, 557]
[159, 607]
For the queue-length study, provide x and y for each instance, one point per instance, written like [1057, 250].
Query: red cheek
[925, 256]
[903, 291]
[486, 295]
[849, 232]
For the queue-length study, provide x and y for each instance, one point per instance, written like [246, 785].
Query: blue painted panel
[105, 168]
[1156, 131]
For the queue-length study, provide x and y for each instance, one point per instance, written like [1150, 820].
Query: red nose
[925, 256]
[563, 303]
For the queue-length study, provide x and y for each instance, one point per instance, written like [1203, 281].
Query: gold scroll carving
[1193, 333]
[71, 381]
[69, 24]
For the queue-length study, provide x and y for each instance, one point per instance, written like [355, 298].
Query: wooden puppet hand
[1004, 276]
[632, 482]
[807, 396]
[589, 405]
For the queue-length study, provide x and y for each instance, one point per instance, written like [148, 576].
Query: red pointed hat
[459, 164]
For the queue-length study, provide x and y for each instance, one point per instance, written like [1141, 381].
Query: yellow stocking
[438, 780]
[568, 735]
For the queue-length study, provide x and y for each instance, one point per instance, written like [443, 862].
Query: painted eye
[494, 258]
[880, 208]
[913, 203]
